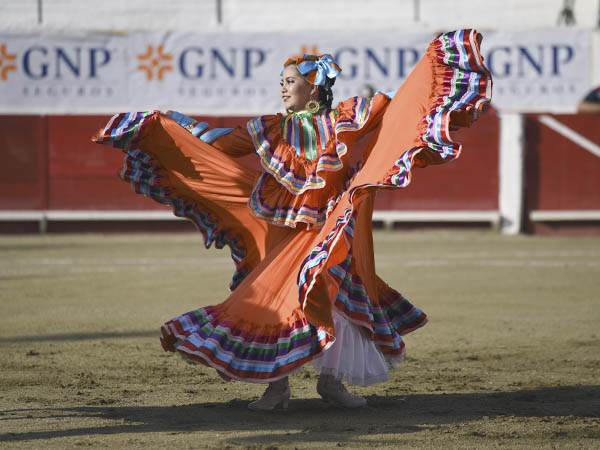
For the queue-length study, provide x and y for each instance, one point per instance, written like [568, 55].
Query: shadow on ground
[66, 337]
[312, 420]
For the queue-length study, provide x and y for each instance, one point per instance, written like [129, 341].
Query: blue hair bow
[325, 67]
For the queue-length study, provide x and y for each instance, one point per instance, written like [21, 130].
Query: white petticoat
[353, 356]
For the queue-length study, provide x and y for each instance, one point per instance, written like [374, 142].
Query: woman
[305, 287]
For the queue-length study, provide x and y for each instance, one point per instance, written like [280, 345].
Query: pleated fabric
[299, 230]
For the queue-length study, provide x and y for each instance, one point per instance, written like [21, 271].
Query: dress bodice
[308, 132]
[304, 156]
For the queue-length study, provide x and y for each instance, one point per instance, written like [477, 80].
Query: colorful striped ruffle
[306, 147]
[124, 130]
[311, 208]
[145, 175]
[201, 336]
[309, 135]
[319, 254]
[291, 210]
[295, 153]
[466, 89]
[387, 317]
[359, 116]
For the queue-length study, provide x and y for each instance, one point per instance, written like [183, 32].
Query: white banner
[238, 74]
[541, 71]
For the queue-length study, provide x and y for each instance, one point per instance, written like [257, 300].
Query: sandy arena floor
[510, 358]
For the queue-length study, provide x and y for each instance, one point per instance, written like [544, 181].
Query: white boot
[277, 394]
[332, 390]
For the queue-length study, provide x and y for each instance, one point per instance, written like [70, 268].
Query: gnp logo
[41, 62]
[6, 62]
[194, 63]
[154, 64]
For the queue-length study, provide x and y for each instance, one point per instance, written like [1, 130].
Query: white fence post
[512, 137]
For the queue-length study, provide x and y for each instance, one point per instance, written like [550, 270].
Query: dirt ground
[510, 358]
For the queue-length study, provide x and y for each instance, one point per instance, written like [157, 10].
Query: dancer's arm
[236, 144]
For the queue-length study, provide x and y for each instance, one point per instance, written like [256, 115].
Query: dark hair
[325, 93]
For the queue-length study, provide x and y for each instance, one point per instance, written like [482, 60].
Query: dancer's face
[295, 90]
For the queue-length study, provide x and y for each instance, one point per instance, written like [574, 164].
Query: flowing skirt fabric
[295, 290]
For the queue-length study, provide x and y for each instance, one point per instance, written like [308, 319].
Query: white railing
[388, 218]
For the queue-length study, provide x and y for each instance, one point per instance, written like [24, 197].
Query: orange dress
[300, 230]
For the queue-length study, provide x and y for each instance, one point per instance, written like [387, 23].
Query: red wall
[561, 175]
[24, 162]
[49, 162]
[468, 183]
[83, 175]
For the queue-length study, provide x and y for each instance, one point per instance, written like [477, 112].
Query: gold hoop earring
[312, 106]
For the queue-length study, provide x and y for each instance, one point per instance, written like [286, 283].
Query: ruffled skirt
[288, 283]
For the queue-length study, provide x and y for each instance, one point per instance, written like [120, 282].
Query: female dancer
[305, 287]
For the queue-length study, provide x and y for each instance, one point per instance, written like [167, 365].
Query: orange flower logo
[154, 64]
[306, 50]
[6, 62]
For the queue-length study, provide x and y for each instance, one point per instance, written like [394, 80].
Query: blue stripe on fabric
[319, 120]
[388, 94]
[181, 119]
[212, 135]
[261, 367]
[463, 51]
[472, 82]
[360, 118]
[123, 123]
[310, 264]
[200, 128]
[437, 126]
